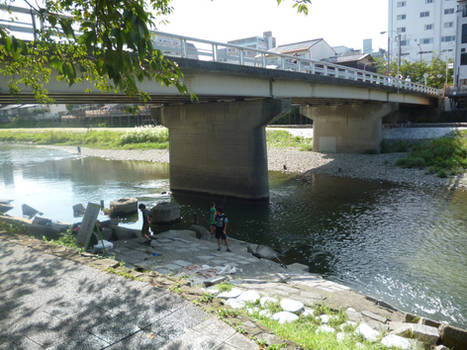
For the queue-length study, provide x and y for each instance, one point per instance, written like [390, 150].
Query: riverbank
[278, 308]
[362, 166]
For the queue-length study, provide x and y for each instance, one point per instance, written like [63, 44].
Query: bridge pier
[348, 128]
[220, 148]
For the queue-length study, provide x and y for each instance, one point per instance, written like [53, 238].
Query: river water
[405, 245]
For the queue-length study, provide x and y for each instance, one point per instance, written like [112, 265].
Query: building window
[448, 38]
[425, 14]
[448, 11]
[464, 10]
[464, 59]
[464, 34]
[405, 54]
[401, 3]
[428, 26]
[448, 24]
[428, 1]
[426, 41]
[401, 17]
[403, 42]
[401, 30]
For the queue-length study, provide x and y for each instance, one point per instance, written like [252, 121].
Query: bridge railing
[174, 45]
[187, 47]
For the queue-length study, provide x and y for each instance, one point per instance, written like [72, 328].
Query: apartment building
[422, 29]
[266, 42]
[460, 68]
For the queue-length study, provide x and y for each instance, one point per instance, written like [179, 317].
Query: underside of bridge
[220, 148]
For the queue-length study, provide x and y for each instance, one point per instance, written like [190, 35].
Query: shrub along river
[405, 245]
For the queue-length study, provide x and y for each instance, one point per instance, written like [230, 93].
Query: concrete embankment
[179, 260]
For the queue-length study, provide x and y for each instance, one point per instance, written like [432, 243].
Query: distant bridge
[218, 145]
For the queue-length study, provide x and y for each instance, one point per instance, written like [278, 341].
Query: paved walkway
[49, 302]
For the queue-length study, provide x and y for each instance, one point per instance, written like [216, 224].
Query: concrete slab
[240, 342]
[140, 340]
[214, 328]
[192, 341]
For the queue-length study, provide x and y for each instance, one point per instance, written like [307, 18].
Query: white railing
[174, 45]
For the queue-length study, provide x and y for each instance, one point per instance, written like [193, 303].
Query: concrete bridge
[218, 145]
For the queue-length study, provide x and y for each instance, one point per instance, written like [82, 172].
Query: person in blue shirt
[221, 229]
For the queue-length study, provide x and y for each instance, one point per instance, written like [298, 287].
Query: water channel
[402, 244]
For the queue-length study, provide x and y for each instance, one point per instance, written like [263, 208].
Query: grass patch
[445, 156]
[140, 138]
[68, 239]
[283, 139]
[395, 146]
[224, 287]
[304, 331]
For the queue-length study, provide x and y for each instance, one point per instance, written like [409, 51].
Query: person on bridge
[147, 216]
[221, 229]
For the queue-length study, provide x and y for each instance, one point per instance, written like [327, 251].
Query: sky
[339, 22]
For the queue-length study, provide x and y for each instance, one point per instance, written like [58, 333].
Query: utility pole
[400, 54]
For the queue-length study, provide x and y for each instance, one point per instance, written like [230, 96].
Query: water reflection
[402, 244]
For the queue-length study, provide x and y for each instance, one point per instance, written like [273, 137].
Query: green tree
[104, 43]
[435, 70]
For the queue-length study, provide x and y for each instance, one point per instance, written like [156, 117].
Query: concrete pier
[220, 148]
[348, 128]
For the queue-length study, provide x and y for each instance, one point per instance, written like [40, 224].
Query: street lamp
[398, 36]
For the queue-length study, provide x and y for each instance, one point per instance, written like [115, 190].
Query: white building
[460, 68]
[316, 49]
[423, 28]
[264, 43]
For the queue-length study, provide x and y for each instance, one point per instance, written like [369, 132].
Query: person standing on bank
[221, 229]
[147, 215]
[212, 219]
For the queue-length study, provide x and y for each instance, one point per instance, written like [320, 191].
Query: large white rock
[250, 296]
[235, 303]
[252, 310]
[353, 315]
[264, 300]
[234, 293]
[340, 336]
[393, 340]
[324, 318]
[291, 305]
[265, 313]
[367, 332]
[308, 312]
[324, 328]
[284, 317]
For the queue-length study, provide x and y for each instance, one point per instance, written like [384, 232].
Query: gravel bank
[362, 166]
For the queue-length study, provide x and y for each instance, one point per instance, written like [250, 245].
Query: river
[403, 244]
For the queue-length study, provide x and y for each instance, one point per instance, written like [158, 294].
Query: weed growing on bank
[142, 138]
[305, 332]
[283, 139]
[445, 156]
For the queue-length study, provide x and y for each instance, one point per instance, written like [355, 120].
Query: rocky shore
[362, 166]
